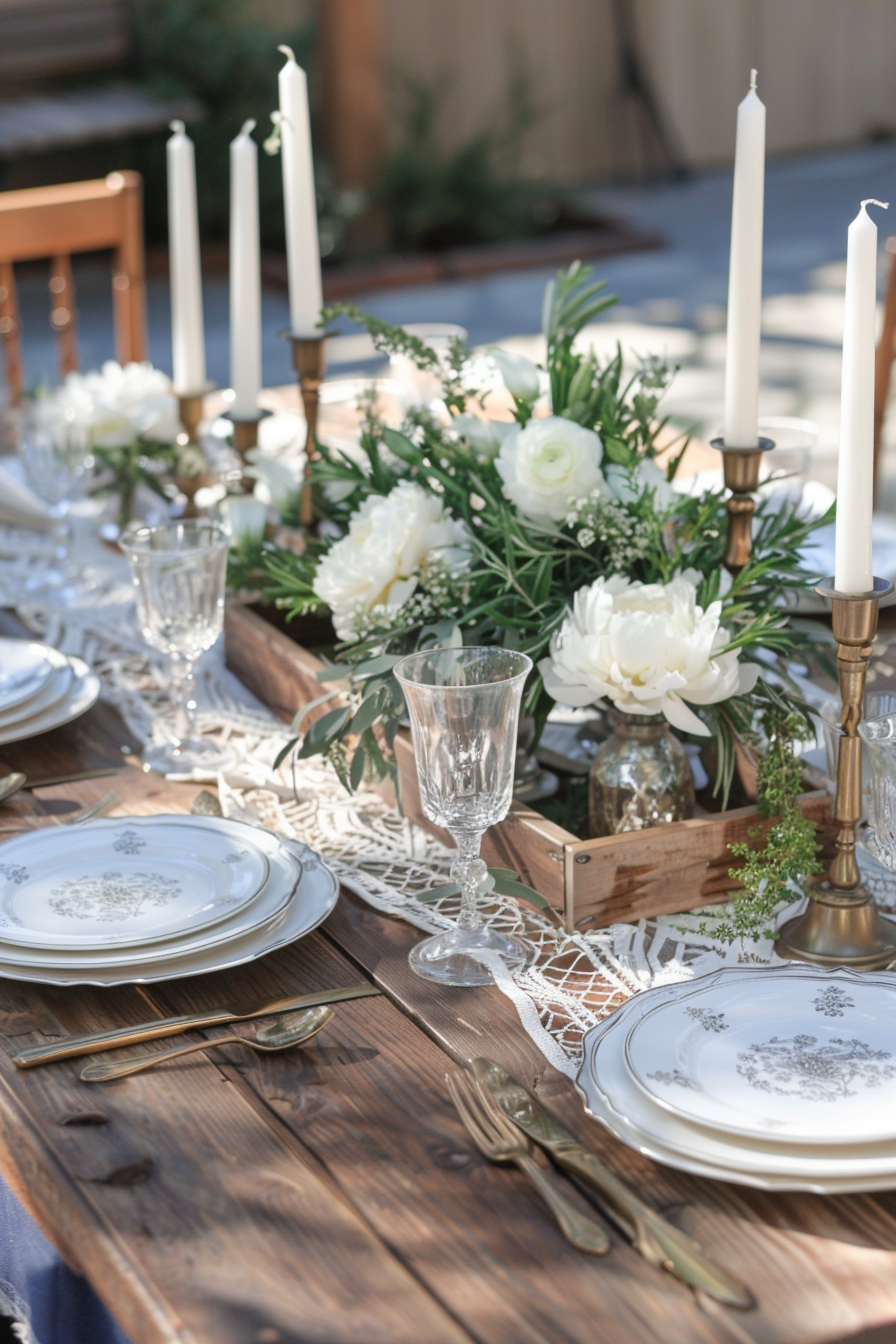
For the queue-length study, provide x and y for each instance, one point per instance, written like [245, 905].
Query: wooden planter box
[591, 883]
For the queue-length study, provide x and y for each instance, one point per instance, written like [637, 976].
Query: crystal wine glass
[178, 570]
[57, 463]
[464, 708]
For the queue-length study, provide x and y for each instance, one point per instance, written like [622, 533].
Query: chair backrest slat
[54, 222]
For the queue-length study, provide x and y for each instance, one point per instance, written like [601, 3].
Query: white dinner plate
[54, 690]
[127, 881]
[83, 694]
[613, 1098]
[312, 901]
[783, 1056]
[24, 669]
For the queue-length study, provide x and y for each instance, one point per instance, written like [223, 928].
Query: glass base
[445, 958]
[188, 756]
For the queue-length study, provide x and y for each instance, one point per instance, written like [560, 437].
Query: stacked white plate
[782, 1078]
[136, 899]
[40, 689]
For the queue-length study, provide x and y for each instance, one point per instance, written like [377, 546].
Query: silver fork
[104, 804]
[500, 1141]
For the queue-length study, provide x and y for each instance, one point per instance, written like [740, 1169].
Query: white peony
[549, 464]
[484, 436]
[629, 486]
[647, 648]
[118, 404]
[378, 562]
[519, 375]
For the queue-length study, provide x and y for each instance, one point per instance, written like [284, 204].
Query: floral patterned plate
[24, 669]
[129, 881]
[54, 690]
[308, 905]
[614, 1099]
[780, 1055]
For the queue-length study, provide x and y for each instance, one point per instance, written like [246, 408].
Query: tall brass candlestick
[842, 925]
[190, 409]
[309, 359]
[742, 479]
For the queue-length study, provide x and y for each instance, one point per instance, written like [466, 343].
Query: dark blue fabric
[36, 1285]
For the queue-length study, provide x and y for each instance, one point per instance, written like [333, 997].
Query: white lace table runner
[574, 980]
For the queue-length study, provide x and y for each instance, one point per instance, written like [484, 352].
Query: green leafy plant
[139, 463]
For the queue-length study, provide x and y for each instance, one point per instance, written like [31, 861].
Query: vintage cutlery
[104, 804]
[11, 784]
[173, 1026]
[499, 1141]
[657, 1240]
[292, 1031]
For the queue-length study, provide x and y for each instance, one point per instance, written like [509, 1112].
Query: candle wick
[177, 127]
[248, 126]
[288, 52]
[884, 205]
[753, 77]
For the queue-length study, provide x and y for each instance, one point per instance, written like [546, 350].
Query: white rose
[484, 436]
[378, 562]
[647, 648]
[118, 404]
[519, 375]
[549, 464]
[245, 518]
[629, 486]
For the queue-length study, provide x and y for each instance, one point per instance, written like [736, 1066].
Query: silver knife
[657, 1240]
[173, 1026]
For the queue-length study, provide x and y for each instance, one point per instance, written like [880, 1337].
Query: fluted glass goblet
[464, 709]
[178, 570]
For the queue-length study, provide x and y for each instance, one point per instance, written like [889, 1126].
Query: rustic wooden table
[331, 1195]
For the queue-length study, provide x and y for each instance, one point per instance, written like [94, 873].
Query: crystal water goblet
[464, 709]
[179, 570]
[56, 458]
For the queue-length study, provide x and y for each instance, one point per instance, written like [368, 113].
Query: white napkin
[20, 506]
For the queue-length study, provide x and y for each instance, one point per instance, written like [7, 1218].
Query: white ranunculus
[549, 464]
[119, 404]
[378, 561]
[629, 486]
[647, 648]
[484, 436]
[245, 518]
[519, 375]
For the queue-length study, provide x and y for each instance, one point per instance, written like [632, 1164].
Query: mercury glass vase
[640, 777]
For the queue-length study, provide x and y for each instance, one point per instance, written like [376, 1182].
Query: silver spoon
[293, 1030]
[11, 784]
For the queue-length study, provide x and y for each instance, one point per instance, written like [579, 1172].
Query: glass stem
[183, 688]
[468, 871]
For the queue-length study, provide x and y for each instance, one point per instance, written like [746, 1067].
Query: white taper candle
[745, 276]
[302, 246]
[187, 331]
[245, 276]
[853, 571]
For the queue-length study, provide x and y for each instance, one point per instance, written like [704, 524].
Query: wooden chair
[883, 363]
[54, 222]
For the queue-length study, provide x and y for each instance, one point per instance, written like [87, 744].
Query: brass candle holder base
[190, 408]
[842, 925]
[309, 361]
[742, 479]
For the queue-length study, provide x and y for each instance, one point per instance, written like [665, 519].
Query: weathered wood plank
[371, 1103]
[821, 1268]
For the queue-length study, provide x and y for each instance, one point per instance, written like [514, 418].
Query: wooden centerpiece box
[591, 883]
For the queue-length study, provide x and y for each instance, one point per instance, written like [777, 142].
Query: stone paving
[672, 299]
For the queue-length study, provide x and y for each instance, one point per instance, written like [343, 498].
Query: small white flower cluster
[439, 596]
[626, 537]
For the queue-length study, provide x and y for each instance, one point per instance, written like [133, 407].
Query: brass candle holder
[742, 479]
[190, 412]
[309, 361]
[245, 438]
[842, 925]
